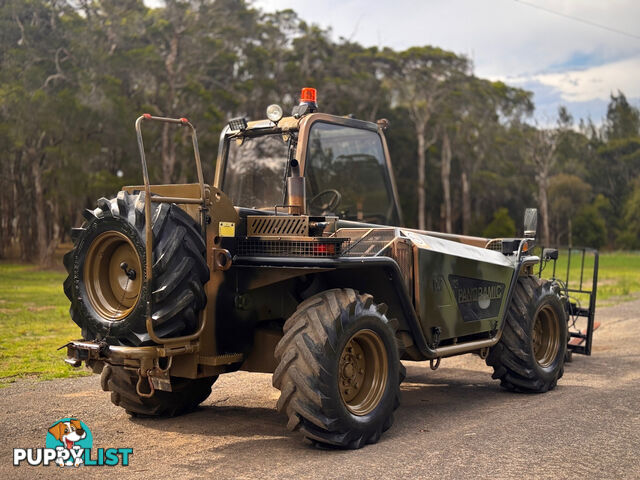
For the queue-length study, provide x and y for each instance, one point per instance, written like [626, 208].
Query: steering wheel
[326, 201]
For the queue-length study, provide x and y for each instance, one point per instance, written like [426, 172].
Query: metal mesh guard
[495, 244]
[324, 247]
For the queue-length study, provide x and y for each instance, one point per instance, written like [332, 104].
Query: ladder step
[218, 360]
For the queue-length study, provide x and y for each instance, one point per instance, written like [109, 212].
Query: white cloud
[596, 82]
[505, 39]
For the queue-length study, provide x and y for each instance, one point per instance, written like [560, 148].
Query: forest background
[468, 154]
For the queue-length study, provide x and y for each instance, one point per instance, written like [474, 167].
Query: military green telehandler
[294, 261]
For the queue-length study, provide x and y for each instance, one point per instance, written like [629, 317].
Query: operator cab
[347, 173]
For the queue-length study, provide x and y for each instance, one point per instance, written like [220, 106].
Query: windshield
[255, 171]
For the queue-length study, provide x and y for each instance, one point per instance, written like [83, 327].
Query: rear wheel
[113, 275]
[186, 393]
[531, 353]
[107, 269]
[339, 370]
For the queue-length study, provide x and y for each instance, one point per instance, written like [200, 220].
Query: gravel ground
[453, 423]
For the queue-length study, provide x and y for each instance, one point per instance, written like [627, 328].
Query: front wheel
[531, 353]
[339, 370]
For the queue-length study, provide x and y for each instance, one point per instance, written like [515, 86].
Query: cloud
[548, 98]
[596, 82]
[503, 36]
[561, 60]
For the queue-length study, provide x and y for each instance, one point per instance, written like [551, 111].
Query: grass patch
[618, 275]
[34, 322]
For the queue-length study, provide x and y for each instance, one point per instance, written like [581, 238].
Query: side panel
[460, 290]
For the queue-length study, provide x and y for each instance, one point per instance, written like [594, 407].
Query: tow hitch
[144, 360]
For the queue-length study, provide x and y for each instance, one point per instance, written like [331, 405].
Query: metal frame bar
[588, 336]
[159, 199]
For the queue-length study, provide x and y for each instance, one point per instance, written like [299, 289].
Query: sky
[563, 61]
[577, 62]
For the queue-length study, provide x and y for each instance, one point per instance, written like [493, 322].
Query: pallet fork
[580, 340]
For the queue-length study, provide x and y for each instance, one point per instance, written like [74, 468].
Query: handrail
[147, 212]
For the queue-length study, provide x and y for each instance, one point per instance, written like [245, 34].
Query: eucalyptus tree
[479, 111]
[568, 194]
[540, 150]
[39, 109]
[420, 79]
[623, 119]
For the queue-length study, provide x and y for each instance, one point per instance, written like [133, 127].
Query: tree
[589, 228]
[540, 148]
[612, 168]
[501, 226]
[480, 108]
[39, 110]
[445, 173]
[74, 75]
[629, 237]
[420, 79]
[623, 120]
[568, 194]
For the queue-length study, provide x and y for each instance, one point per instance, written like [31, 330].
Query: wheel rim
[113, 275]
[363, 372]
[546, 336]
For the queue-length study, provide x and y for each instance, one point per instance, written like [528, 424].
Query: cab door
[346, 171]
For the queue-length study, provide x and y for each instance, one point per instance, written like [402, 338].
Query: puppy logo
[69, 443]
[70, 437]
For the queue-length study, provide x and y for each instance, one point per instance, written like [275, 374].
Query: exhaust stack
[296, 195]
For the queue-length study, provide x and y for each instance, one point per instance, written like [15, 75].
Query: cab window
[255, 170]
[346, 174]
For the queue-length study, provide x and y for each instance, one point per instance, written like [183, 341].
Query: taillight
[324, 249]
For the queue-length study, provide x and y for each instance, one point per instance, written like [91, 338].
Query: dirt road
[453, 423]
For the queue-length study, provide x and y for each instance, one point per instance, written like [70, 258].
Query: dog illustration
[68, 433]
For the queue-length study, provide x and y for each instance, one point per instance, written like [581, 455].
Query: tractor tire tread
[310, 337]
[185, 396]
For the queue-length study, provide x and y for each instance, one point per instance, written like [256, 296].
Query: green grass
[34, 322]
[618, 275]
[34, 312]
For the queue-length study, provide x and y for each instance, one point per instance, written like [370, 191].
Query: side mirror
[550, 254]
[530, 222]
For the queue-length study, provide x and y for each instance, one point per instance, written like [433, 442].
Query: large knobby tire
[185, 396]
[531, 353]
[107, 271]
[339, 370]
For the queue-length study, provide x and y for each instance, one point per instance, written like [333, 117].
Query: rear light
[323, 249]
